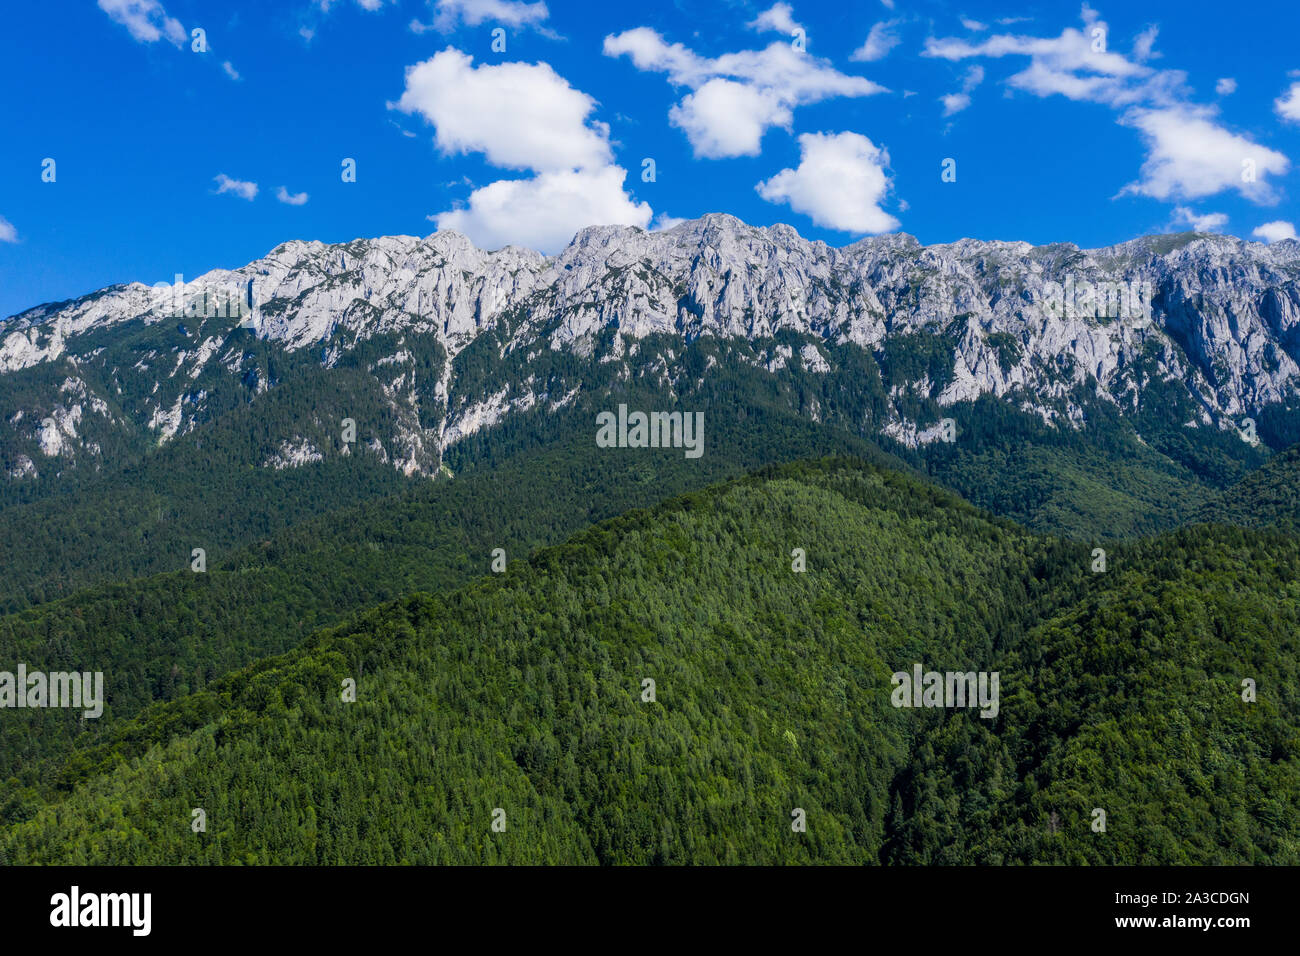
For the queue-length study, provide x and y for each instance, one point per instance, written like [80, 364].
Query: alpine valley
[379, 462]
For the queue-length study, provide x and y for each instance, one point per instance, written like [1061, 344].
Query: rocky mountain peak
[1219, 315]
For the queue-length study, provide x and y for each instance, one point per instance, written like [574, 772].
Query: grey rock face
[1218, 314]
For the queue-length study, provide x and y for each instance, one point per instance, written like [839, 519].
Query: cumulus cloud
[763, 86]
[7, 231]
[146, 20]
[779, 17]
[244, 190]
[230, 70]
[527, 117]
[1226, 86]
[725, 118]
[1210, 222]
[544, 212]
[882, 38]
[1288, 104]
[292, 199]
[519, 115]
[1275, 231]
[839, 183]
[1190, 154]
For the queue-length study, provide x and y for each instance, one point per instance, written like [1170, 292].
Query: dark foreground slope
[1266, 497]
[520, 698]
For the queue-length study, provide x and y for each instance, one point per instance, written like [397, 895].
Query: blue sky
[1066, 122]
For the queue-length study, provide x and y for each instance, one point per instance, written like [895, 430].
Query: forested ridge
[166, 635]
[139, 507]
[1266, 497]
[1120, 690]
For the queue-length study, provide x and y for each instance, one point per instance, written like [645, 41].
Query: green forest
[769, 590]
[503, 719]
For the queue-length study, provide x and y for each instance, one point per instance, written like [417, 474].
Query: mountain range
[379, 461]
[456, 338]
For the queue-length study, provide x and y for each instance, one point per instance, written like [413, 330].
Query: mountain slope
[523, 693]
[1267, 497]
[211, 488]
[1163, 345]
[165, 635]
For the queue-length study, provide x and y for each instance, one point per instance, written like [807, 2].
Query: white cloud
[763, 86]
[1275, 231]
[1226, 86]
[724, 118]
[7, 231]
[779, 66]
[956, 102]
[664, 221]
[292, 199]
[519, 115]
[244, 190]
[1068, 65]
[882, 38]
[472, 13]
[1189, 156]
[1210, 222]
[1189, 153]
[974, 25]
[839, 183]
[779, 17]
[1288, 104]
[146, 20]
[1144, 44]
[230, 70]
[522, 116]
[546, 211]
[368, 5]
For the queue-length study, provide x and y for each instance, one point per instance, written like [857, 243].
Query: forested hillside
[139, 508]
[165, 635]
[1267, 497]
[523, 693]
[1104, 484]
